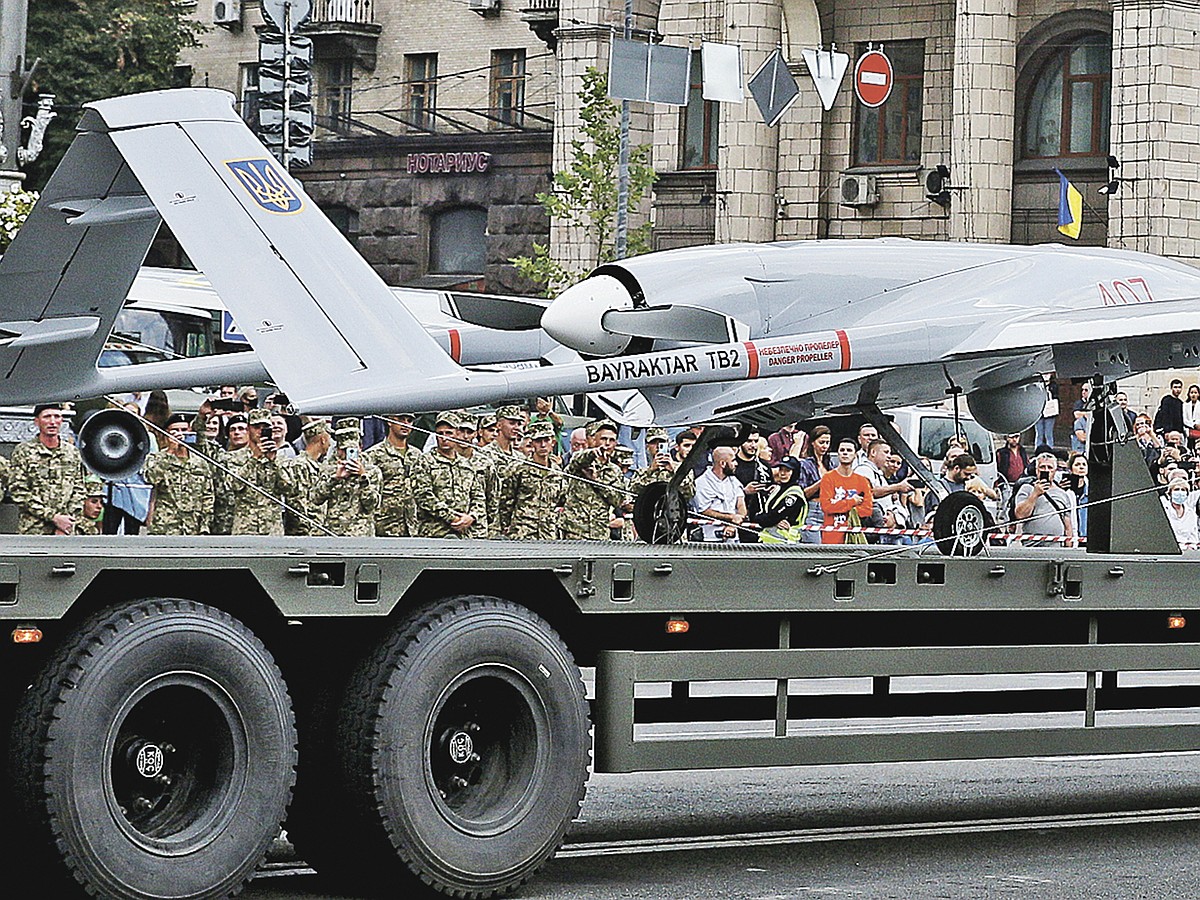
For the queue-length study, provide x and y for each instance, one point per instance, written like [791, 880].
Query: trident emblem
[266, 185]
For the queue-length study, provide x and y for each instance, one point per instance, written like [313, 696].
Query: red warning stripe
[845, 342]
[456, 345]
[752, 358]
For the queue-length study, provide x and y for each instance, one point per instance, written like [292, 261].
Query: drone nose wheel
[659, 514]
[961, 525]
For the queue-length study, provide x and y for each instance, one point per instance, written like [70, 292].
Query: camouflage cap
[487, 420]
[598, 424]
[656, 434]
[93, 486]
[467, 422]
[540, 430]
[448, 417]
[347, 430]
[511, 412]
[314, 428]
[259, 417]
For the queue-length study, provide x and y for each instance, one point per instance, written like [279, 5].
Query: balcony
[542, 18]
[344, 28]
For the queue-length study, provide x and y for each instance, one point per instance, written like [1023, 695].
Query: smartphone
[227, 404]
[352, 454]
[190, 438]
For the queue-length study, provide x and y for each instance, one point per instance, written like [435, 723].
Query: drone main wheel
[659, 514]
[961, 524]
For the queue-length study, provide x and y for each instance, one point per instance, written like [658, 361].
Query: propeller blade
[493, 311]
[627, 407]
[676, 323]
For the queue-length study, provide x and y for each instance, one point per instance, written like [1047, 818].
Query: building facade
[433, 128]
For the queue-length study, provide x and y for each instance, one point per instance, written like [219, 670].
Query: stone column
[981, 134]
[748, 155]
[1156, 128]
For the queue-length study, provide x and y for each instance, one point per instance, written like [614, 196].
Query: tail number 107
[1123, 292]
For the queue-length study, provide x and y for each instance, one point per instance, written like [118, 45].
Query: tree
[585, 192]
[91, 49]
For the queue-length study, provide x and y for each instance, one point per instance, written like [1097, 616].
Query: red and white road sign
[873, 78]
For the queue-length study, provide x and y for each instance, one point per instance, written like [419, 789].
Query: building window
[421, 75]
[508, 86]
[248, 92]
[458, 241]
[891, 134]
[345, 220]
[1068, 113]
[701, 120]
[337, 93]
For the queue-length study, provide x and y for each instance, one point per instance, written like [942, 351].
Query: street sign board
[230, 333]
[827, 68]
[773, 88]
[873, 78]
[276, 12]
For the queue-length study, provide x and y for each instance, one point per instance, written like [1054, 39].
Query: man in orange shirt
[843, 491]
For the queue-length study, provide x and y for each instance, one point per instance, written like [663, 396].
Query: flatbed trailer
[413, 710]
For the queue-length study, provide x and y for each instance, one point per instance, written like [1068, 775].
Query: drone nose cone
[575, 318]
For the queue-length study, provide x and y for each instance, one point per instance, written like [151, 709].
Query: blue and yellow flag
[1070, 207]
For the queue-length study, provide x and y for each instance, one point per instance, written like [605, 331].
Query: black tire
[961, 524]
[659, 514]
[154, 755]
[467, 747]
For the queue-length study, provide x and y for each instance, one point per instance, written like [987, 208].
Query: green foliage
[91, 49]
[14, 208]
[585, 192]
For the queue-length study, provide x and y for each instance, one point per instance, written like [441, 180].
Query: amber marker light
[677, 625]
[1176, 621]
[26, 634]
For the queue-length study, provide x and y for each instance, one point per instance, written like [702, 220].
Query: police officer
[395, 459]
[46, 477]
[535, 490]
[446, 490]
[348, 485]
[260, 511]
[182, 493]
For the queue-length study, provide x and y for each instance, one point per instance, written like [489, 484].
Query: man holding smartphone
[349, 485]
[1044, 507]
[260, 511]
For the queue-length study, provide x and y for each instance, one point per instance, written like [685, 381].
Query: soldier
[623, 459]
[348, 485]
[91, 519]
[589, 501]
[535, 491]
[661, 466]
[447, 492]
[484, 464]
[181, 497]
[396, 461]
[305, 516]
[602, 435]
[487, 429]
[260, 511]
[46, 478]
[225, 464]
[503, 452]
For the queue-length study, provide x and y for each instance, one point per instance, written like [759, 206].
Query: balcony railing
[396, 122]
[539, 7]
[350, 12]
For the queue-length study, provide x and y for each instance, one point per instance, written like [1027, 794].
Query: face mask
[1178, 497]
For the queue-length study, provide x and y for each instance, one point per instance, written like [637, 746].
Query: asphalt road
[1079, 828]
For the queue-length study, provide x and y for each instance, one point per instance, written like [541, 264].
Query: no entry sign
[873, 78]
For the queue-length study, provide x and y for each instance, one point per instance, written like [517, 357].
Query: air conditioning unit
[227, 12]
[859, 190]
[485, 7]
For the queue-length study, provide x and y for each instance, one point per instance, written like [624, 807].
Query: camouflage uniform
[85, 527]
[45, 483]
[299, 520]
[397, 514]
[183, 494]
[441, 486]
[502, 464]
[350, 502]
[652, 473]
[588, 505]
[254, 513]
[532, 496]
[487, 470]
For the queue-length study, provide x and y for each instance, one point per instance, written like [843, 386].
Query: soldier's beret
[598, 425]
[92, 486]
[179, 419]
[237, 419]
[315, 427]
[540, 430]
[656, 434]
[258, 417]
[448, 417]
[42, 407]
[511, 412]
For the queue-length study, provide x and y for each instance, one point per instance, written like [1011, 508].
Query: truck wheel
[154, 756]
[659, 514]
[961, 524]
[467, 745]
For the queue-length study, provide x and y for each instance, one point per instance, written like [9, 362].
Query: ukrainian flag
[1070, 207]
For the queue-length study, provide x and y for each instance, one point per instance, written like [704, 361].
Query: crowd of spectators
[238, 467]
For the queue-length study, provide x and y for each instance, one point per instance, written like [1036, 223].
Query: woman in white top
[1191, 415]
[1180, 504]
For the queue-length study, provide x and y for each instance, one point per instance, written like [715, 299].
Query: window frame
[422, 89]
[901, 83]
[434, 235]
[710, 122]
[338, 92]
[510, 84]
[1101, 92]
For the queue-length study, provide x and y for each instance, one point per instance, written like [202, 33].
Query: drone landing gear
[659, 513]
[961, 525]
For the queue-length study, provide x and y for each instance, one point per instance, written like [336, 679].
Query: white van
[928, 430]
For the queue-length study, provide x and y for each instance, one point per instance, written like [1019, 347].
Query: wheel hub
[461, 747]
[149, 760]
